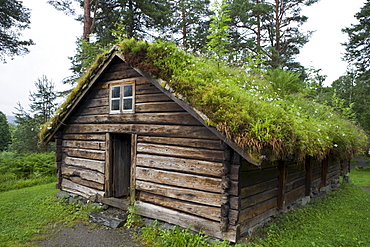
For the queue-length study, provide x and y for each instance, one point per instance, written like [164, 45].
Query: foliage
[27, 212]
[14, 18]
[358, 46]
[270, 28]
[133, 219]
[336, 220]
[43, 104]
[155, 236]
[219, 30]
[5, 137]
[22, 170]
[285, 82]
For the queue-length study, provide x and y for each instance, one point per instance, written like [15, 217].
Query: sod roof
[243, 106]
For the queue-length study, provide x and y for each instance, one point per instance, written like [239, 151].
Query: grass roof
[246, 108]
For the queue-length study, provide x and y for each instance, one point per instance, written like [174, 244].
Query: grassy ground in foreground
[26, 212]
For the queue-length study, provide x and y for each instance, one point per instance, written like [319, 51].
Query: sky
[55, 35]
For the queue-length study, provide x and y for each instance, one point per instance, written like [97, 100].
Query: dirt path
[81, 235]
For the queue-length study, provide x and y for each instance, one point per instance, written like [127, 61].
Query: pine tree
[14, 18]
[5, 138]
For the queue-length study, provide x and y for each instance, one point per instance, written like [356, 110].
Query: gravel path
[81, 235]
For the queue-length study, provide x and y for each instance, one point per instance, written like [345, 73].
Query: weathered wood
[258, 198]
[83, 173]
[291, 185]
[179, 179]
[89, 137]
[117, 65]
[133, 168]
[187, 142]
[84, 144]
[255, 210]
[121, 74]
[91, 103]
[90, 184]
[185, 220]
[249, 178]
[183, 152]
[208, 212]
[234, 188]
[96, 165]
[93, 111]
[117, 202]
[157, 97]
[81, 190]
[250, 224]
[191, 195]
[180, 164]
[156, 130]
[281, 185]
[294, 175]
[258, 188]
[176, 118]
[85, 153]
[294, 195]
[147, 88]
[158, 107]
[324, 172]
[58, 160]
[108, 165]
[308, 175]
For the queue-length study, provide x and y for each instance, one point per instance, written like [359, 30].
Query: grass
[27, 212]
[361, 176]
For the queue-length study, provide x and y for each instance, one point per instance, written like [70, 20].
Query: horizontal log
[258, 198]
[208, 212]
[179, 164]
[85, 153]
[84, 144]
[295, 175]
[90, 184]
[81, 190]
[144, 129]
[183, 152]
[84, 111]
[89, 137]
[177, 118]
[294, 195]
[291, 185]
[179, 179]
[117, 202]
[96, 165]
[83, 173]
[91, 103]
[157, 97]
[249, 225]
[258, 188]
[191, 195]
[158, 107]
[255, 210]
[117, 65]
[146, 89]
[198, 224]
[187, 142]
[97, 93]
[118, 75]
[234, 188]
[254, 177]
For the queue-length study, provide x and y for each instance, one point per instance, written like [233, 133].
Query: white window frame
[121, 97]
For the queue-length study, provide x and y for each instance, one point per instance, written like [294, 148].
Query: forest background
[262, 36]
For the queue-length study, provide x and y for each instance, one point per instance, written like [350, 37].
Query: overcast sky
[55, 35]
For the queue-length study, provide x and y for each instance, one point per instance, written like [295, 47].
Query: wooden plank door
[121, 152]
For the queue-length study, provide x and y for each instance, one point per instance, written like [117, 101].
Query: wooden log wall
[334, 170]
[295, 185]
[180, 166]
[258, 195]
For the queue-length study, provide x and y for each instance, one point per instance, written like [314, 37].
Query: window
[122, 98]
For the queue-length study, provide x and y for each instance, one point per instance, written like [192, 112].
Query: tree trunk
[87, 21]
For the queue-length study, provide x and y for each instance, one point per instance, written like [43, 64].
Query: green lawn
[24, 213]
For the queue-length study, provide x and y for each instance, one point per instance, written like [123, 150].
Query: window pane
[115, 105]
[127, 90]
[115, 92]
[127, 104]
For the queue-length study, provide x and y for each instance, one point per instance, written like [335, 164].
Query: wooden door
[121, 152]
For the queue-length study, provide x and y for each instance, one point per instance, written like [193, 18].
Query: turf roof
[244, 107]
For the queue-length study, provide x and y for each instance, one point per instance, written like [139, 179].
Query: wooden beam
[281, 185]
[108, 165]
[308, 177]
[324, 172]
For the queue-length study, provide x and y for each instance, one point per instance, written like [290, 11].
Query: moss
[245, 107]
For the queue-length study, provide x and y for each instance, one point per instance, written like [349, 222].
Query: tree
[218, 39]
[271, 27]
[13, 19]
[5, 137]
[358, 45]
[189, 24]
[25, 134]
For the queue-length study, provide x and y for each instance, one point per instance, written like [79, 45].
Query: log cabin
[128, 138]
